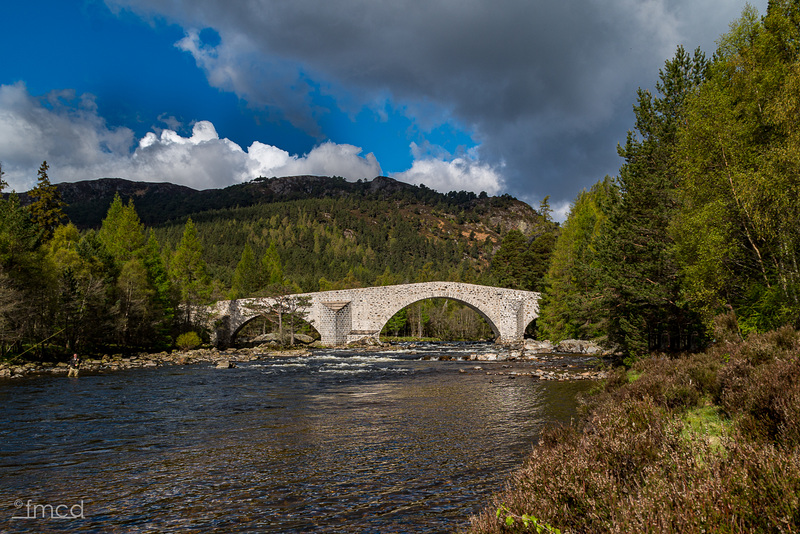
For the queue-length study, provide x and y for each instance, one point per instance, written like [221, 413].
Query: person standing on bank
[74, 365]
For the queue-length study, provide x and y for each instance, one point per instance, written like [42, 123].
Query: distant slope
[351, 233]
[160, 202]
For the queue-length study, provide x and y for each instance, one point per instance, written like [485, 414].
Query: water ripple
[336, 442]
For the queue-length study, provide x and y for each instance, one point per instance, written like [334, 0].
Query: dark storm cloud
[546, 87]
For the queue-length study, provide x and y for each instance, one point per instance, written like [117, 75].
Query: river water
[334, 442]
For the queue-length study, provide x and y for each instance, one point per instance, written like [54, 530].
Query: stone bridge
[347, 315]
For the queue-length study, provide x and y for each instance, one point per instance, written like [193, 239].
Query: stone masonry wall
[347, 315]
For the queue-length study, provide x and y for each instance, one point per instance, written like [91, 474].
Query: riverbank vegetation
[705, 442]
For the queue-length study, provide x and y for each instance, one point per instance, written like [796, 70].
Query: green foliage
[521, 262]
[397, 322]
[571, 303]
[188, 340]
[188, 272]
[18, 235]
[247, 277]
[437, 319]
[528, 522]
[21, 282]
[47, 206]
[737, 234]
[121, 232]
[639, 273]
[271, 266]
[345, 241]
[163, 299]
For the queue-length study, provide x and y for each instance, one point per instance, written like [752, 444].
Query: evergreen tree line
[114, 288]
[125, 287]
[702, 220]
[345, 242]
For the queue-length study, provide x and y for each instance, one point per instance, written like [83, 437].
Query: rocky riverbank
[143, 361]
[553, 362]
[569, 360]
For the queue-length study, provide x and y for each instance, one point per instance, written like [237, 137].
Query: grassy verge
[700, 443]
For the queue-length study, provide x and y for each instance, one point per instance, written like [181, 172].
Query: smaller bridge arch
[298, 324]
[344, 316]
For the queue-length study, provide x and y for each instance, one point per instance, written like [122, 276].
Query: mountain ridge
[159, 203]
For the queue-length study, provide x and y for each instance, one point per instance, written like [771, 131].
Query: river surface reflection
[335, 442]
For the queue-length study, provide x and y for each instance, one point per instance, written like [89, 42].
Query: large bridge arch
[387, 313]
[344, 316]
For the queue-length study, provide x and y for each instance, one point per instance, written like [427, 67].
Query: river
[339, 441]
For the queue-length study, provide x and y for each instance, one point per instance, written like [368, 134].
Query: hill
[326, 230]
[160, 202]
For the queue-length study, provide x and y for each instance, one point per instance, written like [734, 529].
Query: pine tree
[571, 302]
[247, 278]
[122, 232]
[272, 269]
[47, 206]
[640, 275]
[189, 273]
[158, 279]
[510, 266]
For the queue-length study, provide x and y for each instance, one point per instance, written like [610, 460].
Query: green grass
[706, 422]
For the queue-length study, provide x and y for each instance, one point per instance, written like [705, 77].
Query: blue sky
[518, 96]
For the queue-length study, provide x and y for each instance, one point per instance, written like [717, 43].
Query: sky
[526, 97]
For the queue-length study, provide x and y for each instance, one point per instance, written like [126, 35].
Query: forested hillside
[130, 277]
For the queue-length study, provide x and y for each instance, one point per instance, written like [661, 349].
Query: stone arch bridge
[347, 315]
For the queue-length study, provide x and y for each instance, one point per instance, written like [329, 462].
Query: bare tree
[10, 302]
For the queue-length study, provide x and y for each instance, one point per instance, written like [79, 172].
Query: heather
[706, 442]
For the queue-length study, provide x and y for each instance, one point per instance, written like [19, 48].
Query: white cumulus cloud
[61, 128]
[327, 159]
[77, 143]
[444, 173]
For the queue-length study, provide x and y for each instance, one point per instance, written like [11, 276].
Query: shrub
[726, 329]
[647, 460]
[188, 340]
[777, 344]
[769, 403]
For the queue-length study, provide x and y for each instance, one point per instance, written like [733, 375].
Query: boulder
[225, 364]
[534, 346]
[272, 336]
[578, 346]
[367, 341]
